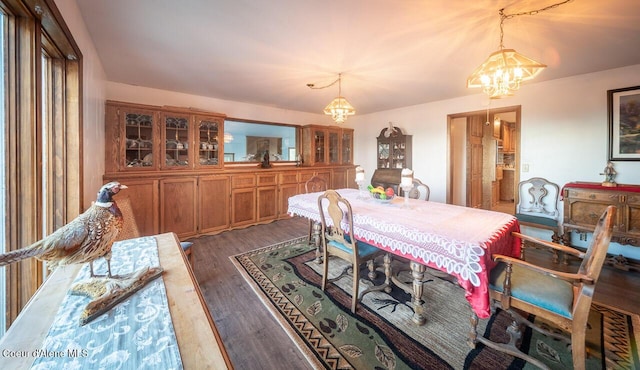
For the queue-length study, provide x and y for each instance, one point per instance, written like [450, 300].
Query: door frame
[492, 112]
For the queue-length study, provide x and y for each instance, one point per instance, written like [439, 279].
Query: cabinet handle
[592, 196]
[593, 216]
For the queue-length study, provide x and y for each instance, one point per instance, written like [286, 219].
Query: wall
[93, 96]
[564, 130]
[145, 95]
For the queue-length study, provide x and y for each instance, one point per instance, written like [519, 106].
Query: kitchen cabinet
[393, 149]
[507, 189]
[508, 137]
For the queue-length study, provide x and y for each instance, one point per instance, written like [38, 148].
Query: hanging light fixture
[504, 70]
[228, 137]
[339, 108]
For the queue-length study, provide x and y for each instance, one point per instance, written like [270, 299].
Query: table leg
[317, 229]
[417, 272]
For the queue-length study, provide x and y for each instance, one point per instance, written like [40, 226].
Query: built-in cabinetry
[393, 149]
[146, 138]
[327, 145]
[170, 158]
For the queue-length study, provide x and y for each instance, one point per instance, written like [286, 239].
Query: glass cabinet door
[138, 128]
[319, 145]
[334, 147]
[347, 144]
[383, 155]
[176, 141]
[208, 141]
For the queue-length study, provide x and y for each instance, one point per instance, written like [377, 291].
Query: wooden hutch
[171, 160]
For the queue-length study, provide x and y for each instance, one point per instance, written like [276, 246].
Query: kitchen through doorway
[484, 159]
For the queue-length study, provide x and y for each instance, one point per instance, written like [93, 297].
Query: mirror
[246, 141]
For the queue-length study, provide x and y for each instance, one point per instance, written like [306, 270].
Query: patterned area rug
[382, 336]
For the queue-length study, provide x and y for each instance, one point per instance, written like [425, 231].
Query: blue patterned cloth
[135, 334]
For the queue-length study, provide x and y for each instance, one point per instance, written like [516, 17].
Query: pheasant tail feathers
[18, 255]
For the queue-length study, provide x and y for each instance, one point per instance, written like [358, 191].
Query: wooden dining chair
[314, 185]
[338, 241]
[561, 298]
[419, 191]
[537, 207]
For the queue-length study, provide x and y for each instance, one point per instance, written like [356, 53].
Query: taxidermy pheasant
[85, 239]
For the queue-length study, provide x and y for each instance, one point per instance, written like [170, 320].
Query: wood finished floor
[255, 340]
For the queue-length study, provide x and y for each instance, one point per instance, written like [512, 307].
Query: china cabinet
[141, 137]
[394, 148]
[326, 145]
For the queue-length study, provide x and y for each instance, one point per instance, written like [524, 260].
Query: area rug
[382, 336]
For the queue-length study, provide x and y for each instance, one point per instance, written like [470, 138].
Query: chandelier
[504, 70]
[339, 108]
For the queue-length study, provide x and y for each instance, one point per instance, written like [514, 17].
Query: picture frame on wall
[624, 124]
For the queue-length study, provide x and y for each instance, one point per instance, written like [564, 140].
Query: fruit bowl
[377, 197]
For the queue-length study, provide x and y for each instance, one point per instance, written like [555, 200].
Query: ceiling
[391, 53]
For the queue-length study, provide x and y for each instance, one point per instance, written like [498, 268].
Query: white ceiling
[392, 53]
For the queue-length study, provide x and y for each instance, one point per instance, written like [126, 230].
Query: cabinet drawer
[267, 179]
[289, 178]
[632, 199]
[243, 181]
[591, 195]
[586, 213]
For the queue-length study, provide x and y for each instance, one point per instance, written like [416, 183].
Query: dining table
[459, 241]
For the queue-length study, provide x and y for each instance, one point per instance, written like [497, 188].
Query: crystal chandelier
[339, 108]
[504, 70]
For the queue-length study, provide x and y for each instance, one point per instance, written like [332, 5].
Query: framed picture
[624, 124]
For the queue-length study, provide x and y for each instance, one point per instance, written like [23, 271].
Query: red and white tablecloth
[457, 240]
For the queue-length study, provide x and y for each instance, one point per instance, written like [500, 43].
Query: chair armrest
[556, 246]
[567, 276]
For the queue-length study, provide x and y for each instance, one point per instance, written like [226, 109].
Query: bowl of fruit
[381, 194]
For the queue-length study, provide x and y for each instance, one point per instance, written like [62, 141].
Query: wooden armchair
[340, 242]
[314, 185]
[562, 298]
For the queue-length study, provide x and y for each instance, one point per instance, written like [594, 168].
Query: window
[41, 163]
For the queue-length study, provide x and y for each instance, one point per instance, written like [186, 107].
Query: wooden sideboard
[193, 203]
[198, 339]
[584, 202]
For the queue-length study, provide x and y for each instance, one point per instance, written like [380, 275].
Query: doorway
[484, 158]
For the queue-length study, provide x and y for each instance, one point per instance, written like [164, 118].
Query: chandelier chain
[503, 16]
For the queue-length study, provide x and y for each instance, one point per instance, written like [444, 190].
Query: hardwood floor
[252, 337]
[255, 340]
